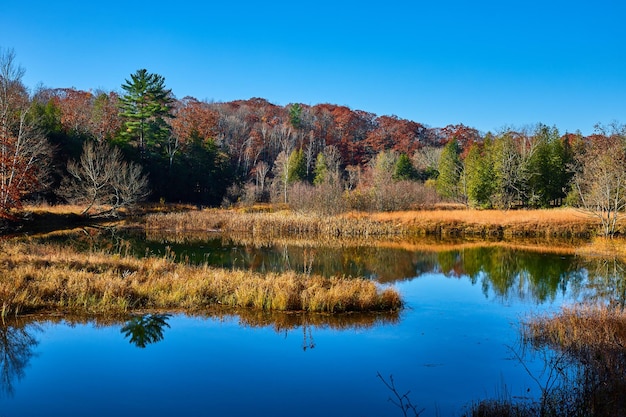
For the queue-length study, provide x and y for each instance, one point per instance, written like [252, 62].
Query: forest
[115, 148]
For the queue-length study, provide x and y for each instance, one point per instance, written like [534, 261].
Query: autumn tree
[24, 151]
[145, 107]
[105, 120]
[102, 178]
[191, 118]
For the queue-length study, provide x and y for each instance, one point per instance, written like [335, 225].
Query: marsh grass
[604, 247]
[448, 223]
[46, 277]
[594, 339]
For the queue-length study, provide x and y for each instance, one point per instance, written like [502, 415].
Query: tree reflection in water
[16, 349]
[145, 329]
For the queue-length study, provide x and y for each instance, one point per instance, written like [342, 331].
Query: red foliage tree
[393, 133]
[24, 152]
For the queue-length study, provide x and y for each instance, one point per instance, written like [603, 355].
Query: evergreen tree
[549, 176]
[321, 170]
[297, 167]
[449, 183]
[145, 107]
[480, 175]
[295, 115]
[404, 169]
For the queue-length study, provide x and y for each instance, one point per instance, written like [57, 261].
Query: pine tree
[321, 170]
[404, 169]
[297, 167]
[145, 107]
[480, 175]
[449, 184]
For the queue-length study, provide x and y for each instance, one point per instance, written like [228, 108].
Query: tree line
[108, 148]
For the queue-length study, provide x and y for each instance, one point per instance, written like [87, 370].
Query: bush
[326, 198]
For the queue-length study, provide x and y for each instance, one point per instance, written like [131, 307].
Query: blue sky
[486, 64]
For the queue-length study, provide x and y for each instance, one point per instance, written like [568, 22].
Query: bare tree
[600, 180]
[102, 178]
[261, 170]
[281, 173]
[426, 158]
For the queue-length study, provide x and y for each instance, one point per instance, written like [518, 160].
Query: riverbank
[562, 223]
[45, 277]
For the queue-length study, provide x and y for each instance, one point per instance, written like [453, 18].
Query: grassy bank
[445, 223]
[35, 278]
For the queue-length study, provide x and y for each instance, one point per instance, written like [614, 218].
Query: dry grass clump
[37, 277]
[594, 338]
[604, 247]
[583, 331]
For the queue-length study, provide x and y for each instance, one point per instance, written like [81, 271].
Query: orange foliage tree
[24, 151]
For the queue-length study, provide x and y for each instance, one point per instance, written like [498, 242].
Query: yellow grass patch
[36, 277]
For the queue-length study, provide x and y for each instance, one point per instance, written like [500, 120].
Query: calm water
[451, 346]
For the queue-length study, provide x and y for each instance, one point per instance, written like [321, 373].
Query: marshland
[357, 265]
[455, 306]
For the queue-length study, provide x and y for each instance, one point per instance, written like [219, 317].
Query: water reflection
[145, 329]
[505, 269]
[605, 283]
[17, 345]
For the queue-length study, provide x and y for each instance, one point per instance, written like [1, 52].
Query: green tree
[145, 107]
[480, 175]
[404, 169]
[295, 115]
[321, 170]
[297, 167]
[451, 181]
[548, 168]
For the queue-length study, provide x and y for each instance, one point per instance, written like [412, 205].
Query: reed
[586, 332]
[594, 338]
[604, 247]
[449, 223]
[36, 277]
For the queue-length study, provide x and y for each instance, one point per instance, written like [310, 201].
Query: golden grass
[59, 209]
[547, 222]
[604, 247]
[35, 277]
[515, 223]
[581, 329]
[593, 337]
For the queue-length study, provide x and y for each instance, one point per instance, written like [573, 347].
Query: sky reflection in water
[449, 347]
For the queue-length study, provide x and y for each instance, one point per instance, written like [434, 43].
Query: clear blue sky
[487, 64]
